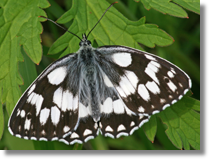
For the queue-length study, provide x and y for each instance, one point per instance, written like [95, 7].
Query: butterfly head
[84, 42]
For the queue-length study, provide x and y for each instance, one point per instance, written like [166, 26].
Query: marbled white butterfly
[111, 90]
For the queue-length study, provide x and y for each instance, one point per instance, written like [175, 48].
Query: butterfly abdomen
[90, 82]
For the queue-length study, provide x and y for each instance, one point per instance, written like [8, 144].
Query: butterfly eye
[80, 43]
[88, 42]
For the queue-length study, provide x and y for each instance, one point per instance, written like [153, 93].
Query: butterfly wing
[48, 110]
[146, 83]
[131, 85]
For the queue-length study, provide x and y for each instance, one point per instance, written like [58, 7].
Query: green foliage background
[170, 29]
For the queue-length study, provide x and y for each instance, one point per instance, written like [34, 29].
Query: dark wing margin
[87, 130]
[146, 83]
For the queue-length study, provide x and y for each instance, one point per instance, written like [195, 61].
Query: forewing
[48, 109]
[146, 83]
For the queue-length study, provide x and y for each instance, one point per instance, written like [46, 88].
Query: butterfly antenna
[60, 26]
[101, 18]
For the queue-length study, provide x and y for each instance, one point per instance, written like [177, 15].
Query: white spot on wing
[55, 115]
[121, 92]
[75, 103]
[185, 91]
[30, 97]
[83, 111]
[135, 128]
[76, 141]
[107, 81]
[126, 86]
[154, 68]
[87, 132]
[170, 74]
[180, 85]
[121, 127]
[57, 76]
[171, 86]
[152, 86]
[152, 74]
[67, 100]
[66, 129]
[64, 141]
[33, 138]
[142, 122]
[155, 112]
[18, 112]
[57, 97]
[155, 64]
[165, 106]
[143, 92]
[108, 135]
[44, 114]
[162, 100]
[180, 97]
[22, 113]
[150, 57]
[10, 131]
[174, 101]
[141, 109]
[37, 100]
[74, 135]
[118, 107]
[32, 89]
[89, 138]
[17, 135]
[121, 134]
[27, 124]
[132, 78]
[96, 125]
[43, 139]
[132, 124]
[108, 129]
[107, 106]
[100, 125]
[54, 139]
[122, 59]
[172, 70]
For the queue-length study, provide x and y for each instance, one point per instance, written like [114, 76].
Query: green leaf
[114, 29]
[1, 120]
[183, 123]
[178, 130]
[150, 128]
[166, 7]
[192, 5]
[19, 26]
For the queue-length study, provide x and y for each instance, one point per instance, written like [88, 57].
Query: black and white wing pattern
[146, 83]
[48, 110]
[111, 90]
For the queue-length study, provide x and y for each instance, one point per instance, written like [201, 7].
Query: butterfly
[111, 90]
